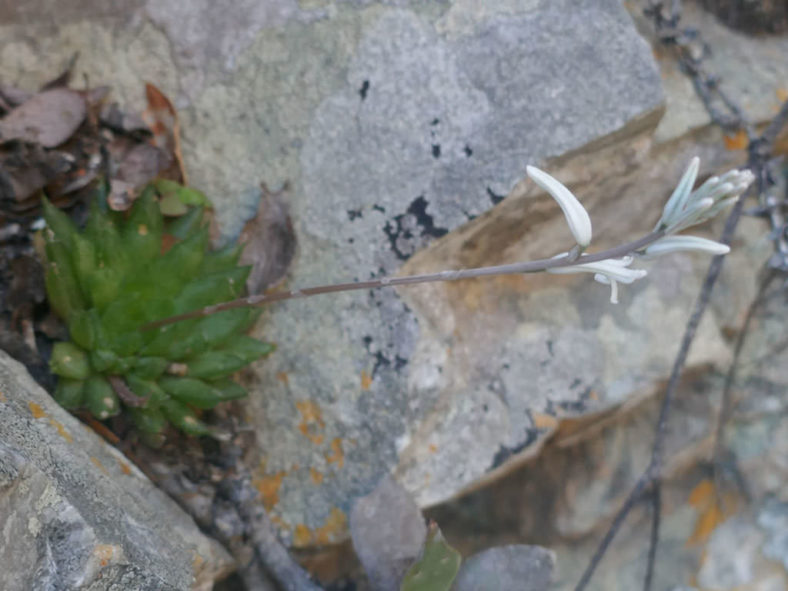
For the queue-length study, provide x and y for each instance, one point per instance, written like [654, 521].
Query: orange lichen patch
[282, 377]
[105, 553]
[333, 528]
[301, 536]
[197, 561]
[433, 448]
[36, 410]
[124, 467]
[712, 509]
[737, 141]
[316, 476]
[782, 94]
[2, 397]
[702, 494]
[311, 420]
[366, 380]
[99, 465]
[269, 486]
[336, 454]
[544, 421]
[61, 430]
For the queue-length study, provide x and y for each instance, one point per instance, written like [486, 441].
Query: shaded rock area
[76, 514]
[404, 129]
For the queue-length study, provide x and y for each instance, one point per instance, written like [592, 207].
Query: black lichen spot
[436, 150]
[504, 453]
[435, 121]
[550, 348]
[575, 383]
[399, 363]
[352, 214]
[495, 198]
[364, 89]
[412, 230]
[379, 208]
[468, 151]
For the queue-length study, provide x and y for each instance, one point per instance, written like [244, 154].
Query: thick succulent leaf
[190, 391]
[69, 393]
[150, 367]
[59, 226]
[183, 259]
[84, 327]
[437, 567]
[100, 398]
[186, 225]
[149, 420]
[184, 418]
[145, 388]
[223, 259]
[507, 568]
[238, 352]
[212, 289]
[102, 231]
[186, 195]
[103, 286]
[228, 389]
[109, 362]
[63, 291]
[388, 532]
[69, 361]
[143, 229]
[84, 262]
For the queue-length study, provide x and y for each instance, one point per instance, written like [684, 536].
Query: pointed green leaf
[437, 567]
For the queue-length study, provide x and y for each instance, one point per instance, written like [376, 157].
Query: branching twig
[759, 152]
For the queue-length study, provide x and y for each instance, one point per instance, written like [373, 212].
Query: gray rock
[400, 127]
[507, 568]
[77, 514]
[388, 533]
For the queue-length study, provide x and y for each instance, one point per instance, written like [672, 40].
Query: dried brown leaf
[270, 242]
[162, 119]
[49, 118]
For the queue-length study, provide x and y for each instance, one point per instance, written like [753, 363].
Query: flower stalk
[684, 208]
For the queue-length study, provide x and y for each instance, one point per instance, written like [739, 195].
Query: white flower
[576, 215]
[610, 272]
[687, 208]
[685, 243]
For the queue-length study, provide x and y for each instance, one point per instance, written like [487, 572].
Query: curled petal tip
[576, 216]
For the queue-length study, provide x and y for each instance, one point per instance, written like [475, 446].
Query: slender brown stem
[509, 269]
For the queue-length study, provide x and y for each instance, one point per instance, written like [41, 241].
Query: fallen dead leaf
[162, 119]
[269, 241]
[49, 118]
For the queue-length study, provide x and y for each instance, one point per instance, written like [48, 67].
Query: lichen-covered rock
[76, 514]
[401, 127]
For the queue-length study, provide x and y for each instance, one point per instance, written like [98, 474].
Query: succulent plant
[124, 271]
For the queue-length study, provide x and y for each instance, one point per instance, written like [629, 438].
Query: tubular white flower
[686, 243]
[576, 216]
[610, 272]
[678, 200]
[687, 208]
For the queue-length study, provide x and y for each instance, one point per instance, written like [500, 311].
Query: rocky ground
[403, 130]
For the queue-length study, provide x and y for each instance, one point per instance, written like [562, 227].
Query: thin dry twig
[759, 150]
